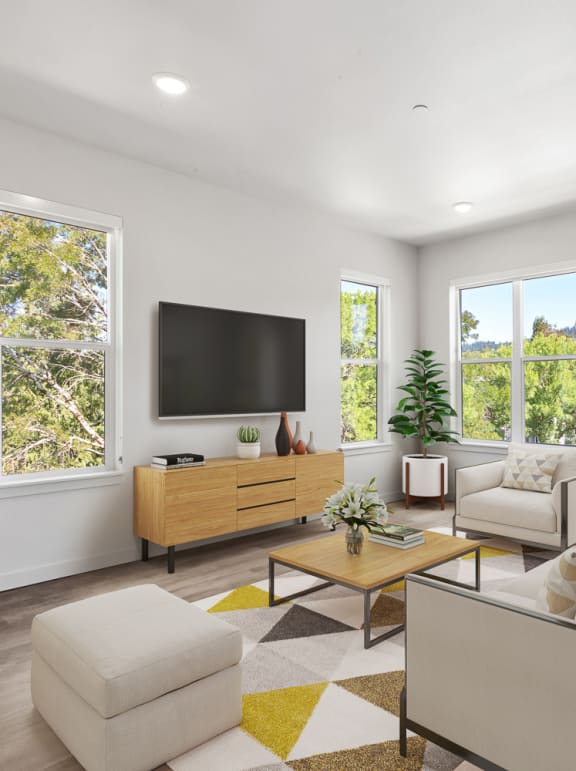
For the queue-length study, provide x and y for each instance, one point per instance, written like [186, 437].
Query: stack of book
[398, 536]
[178, 460]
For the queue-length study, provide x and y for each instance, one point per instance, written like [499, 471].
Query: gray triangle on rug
[302, 622]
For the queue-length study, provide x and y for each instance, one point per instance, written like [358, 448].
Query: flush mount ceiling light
[420, 108]
[462, 207]
[169, 83]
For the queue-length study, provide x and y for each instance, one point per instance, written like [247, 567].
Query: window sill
[495, 448]
[16, 489]
[365, 448]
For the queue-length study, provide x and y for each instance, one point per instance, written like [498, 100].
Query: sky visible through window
[553, 297]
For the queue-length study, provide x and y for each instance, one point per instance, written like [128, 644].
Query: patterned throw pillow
[558, 595]
[530, 471]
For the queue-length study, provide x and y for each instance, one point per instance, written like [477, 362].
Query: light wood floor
[26, 742]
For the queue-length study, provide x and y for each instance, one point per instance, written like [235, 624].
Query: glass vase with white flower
[356, 506]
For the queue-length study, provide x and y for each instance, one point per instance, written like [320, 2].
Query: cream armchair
[543, 519]
[488, 676]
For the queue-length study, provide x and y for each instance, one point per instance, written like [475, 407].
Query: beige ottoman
[131, 679]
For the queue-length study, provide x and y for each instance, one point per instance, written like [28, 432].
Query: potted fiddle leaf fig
[423, 414]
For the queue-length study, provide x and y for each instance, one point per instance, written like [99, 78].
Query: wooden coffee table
[376, 567]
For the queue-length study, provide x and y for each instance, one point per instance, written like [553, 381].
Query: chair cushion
[125, 648]
[530, 470]
[516, 508]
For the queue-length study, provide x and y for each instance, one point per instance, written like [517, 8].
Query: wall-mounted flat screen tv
[216, 362]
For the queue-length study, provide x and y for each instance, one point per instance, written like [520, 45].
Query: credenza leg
[144, 550]
[171, 552]
[303, 520]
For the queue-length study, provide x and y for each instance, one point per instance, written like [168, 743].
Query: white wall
[190, 242]
[532, 245]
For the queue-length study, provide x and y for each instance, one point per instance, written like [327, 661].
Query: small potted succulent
[248, 445]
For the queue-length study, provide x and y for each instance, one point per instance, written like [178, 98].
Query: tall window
[57, 371]
[518, 360]
[361, 361]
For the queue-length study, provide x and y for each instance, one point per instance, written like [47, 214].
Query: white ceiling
[309, 101]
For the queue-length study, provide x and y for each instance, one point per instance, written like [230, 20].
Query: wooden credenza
[228, 495]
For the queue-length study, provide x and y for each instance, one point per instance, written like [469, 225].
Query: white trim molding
[57, 484]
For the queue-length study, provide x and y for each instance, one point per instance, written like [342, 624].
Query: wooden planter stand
[439, 498]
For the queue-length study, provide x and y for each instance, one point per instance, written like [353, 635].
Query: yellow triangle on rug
[277, 718]
[244, 598]
[397, 587]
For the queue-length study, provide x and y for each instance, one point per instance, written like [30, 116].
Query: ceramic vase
[289, 430]
[283, 436]
[354, 541]
[300, 447]
[311, 446]
[297, 436]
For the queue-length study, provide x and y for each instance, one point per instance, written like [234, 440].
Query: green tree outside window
[360, 367]
[54, 327]
[548, 373]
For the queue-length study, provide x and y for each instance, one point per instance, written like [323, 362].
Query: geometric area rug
[313, 698]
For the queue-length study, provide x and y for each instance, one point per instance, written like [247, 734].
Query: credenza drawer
[201, 478]
[269, 470]
[272, 492]
[266, 515]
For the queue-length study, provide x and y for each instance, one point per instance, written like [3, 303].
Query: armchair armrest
[488, 678]
[564, 504]
[472, 479]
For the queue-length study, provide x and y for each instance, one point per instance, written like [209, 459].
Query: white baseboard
[48, 572]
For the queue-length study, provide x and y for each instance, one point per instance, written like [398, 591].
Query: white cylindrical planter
[424, 477]
[248, 450]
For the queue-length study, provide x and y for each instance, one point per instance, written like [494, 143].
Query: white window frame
[110, 472]
[382, 442]
[517, 360]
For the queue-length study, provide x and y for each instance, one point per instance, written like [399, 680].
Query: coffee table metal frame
[369, 641]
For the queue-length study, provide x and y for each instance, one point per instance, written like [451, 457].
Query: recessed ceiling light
[420, 108]
[462, 207]
[169, 83]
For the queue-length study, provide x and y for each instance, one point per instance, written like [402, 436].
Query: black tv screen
[223, 362]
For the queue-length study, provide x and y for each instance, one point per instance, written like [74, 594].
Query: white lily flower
[355, 505]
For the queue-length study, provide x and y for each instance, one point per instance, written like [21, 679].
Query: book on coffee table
[395, 543]
[397, 532]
